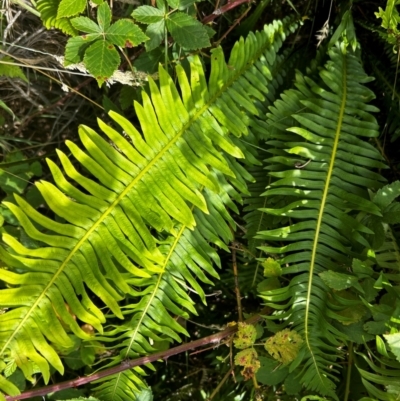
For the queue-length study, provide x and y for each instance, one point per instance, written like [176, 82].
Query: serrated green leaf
[104, 16]
[69, 8]
[338, 281]
[379, 327]
[149, 61]
[361, 269]
[245, 336]
[187, 32]
[161, 5]
[394, 343]
[85, 24]
[183, 4]
[173, 3]
[125, 33]
[148, 14]
[74, 50]
[156, 34]
[292, 384]
[284, 345]
[101, 60]
[210, 32]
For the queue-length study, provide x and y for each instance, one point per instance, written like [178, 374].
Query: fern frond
[139, 226]
[321, 167]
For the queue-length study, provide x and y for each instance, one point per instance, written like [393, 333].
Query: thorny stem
[348, 378]
[237, 290]
[222, 10]
[129, 364]
[233, 25]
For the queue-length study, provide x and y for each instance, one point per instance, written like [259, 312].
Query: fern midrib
[128, 188]
[321, 214]
[117, 377]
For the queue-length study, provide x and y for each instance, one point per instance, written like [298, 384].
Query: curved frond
[137, 227]
[321, 169]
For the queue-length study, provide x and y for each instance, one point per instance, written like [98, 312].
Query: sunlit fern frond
[134, 232]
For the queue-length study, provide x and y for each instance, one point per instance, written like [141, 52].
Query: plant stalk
[129, 364]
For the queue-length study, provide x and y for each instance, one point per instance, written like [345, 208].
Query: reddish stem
[223, 10]
[129, 364]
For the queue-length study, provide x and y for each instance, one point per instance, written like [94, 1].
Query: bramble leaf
[148, 14]
[183, 4]
[249, 359]
[69, 8]
[101, 60]
[245, 336]
[271, 372]
[74, 50]
[85, 24]
[104, 16]
[284, 345]
[174, 4]
[125, 33]
[187, 32]
[156, 33]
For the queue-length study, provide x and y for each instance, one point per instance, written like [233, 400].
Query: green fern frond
[321, 169]
[139, 226]
[215, 226]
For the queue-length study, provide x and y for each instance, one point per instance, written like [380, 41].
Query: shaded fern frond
[321, 169]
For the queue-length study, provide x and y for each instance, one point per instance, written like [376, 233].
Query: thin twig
[129, 364]
[237, 290]
[237, 22]
[222, 10]
[221, 383]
